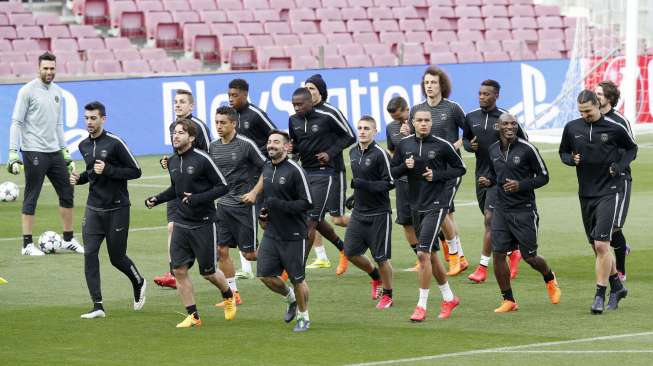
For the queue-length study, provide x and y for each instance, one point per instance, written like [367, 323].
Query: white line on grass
[150, 228]
[500, 349]
[580, 352]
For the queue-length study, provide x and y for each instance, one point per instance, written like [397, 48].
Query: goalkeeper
[37, 132]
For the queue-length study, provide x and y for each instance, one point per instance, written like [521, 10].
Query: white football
[9, 192]
[49, 242]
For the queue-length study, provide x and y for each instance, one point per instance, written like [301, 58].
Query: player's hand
[473, 144]
[404, 129]
[410, 162]
[350, 203]
[615, 170]
[458, 144]
[98, 167]
[263, 214]
[14, 164]
[248, 198]
[290, 147]
[150, 202]
[484, 182]
[164, 162]
[511, 185]
[73, 178]
[187, 198]
[576, 158]
[428, 174]
[323, 158]
[70, 164]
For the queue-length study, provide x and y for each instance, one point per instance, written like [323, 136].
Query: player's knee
[423, 257]
[224, 252]
[180, 272]
[250, 256]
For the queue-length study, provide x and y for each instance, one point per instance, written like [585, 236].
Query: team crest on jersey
[56, 99]
[233, 155]
[443, 116]
[431, 154]
[103, 154]
[496, 127]
[190, 169]
[368, 162]
[314, 128]
[516, 160]
[282, 180]
[604, 137]
[245, 124]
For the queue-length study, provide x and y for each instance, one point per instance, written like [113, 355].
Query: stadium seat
[29, 31]
[21, 69]
[510, 45]
[300, 49]
[304, 26]
[406, 12]
[436, 47]
[470, 35]
[132, 24]
[313, 39]
[116, 8]
[489, 46]
[65, 56]
[553, 33]
[522, 55]
[436, 12]
[570, 22]
[548, 54]
[93, 43]
[358, 61]
[282, 4]
[278, 63]
[471, 24]
[286, 39]
[190, 30]
[304, 62]
[336, 3]
[365, 37]
[201, 5]
[391, 38]
[386, 3]
[257, 40]
[254, 4]
[384, 60]
[11, 7]
[359, 25]
[467, 56]
[361, 3]
[185, 16]
[135, 67]
[249, 27]
[277, 27]
[494, 11]
[5, 70]
[11, 56]
[230, 4]
[334, 61]
[64, 44]
[517, 10]
[379, 13]
[188, 65]
[243, 58]
[497, 34]
[229, 41]
[223, 28]
[206, 47]
[152, 20]
[25, 44]
[5, 45]
[127, 54]
[550, 22]
[414, 59]
[213, 16]
[546, 10]
[56, 31]
[497, 2]
[266, 15]
[462, 45]
[353, 13]
[332, 26]
[469, 2]
[265, 52]
[441, 24]
[385, 25]
[496, 56]
[497, 23]
[4, 19]
[240, 15]
[169, 36]
[350, 49]
[417, 36]
[552, 44]
[523, 23]
[98, 54]
[301, 14]
[339, 38]
[96, 12]
[377, 49]
[7, 32]
[443, 36]
[467, 12]
[412, 25]
[106, 67]
[525, 34]
[328, 14]
[416, 3]
[176, 5]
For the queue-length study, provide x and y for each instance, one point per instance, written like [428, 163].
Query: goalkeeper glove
[70, 164]
[14, 164]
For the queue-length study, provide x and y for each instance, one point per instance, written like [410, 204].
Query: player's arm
[541, 173]
[566, 149]
[128, 168]
[388, 140]
[459, 119]
[455, 165]
[398, 166]
[17, 123]
[216, 178]
[303, 202]
[345, 137]
[629, 151]
[468, 135]
[203, 139]
[384, 184]
[168, 195]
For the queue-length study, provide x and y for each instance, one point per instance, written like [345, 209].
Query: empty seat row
[104, 67]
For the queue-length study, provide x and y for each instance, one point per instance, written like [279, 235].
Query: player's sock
[375, 274]
[320, 252]
[192, 310]
[291, 296]
[27, 239]
[460, 246]
[423, 297]
[67, 235]
[340, 244]
[600, 290]
[387, 292]
[615, 283]
[97, 305]
[507, 295]
[548, 277]
[414, 248]
[245, 265]
[619, 246]
[485, 260]
[231, 281]
[445, 290]
[227, 294]
[303, 315]
[453, 246]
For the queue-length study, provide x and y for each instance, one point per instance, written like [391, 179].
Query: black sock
[548, 277]
[507, 295]
[192, 310]
[172, 270]
[27, 239]
[339, 244]
[414, 248]
[619, 245]
[67, 235]
[227, 294]
[600, 290]
[615, 283]
[375, 274]
[98, 306]
[387, 292]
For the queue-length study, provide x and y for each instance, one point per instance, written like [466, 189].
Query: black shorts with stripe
[402, 203]
[624, 203]
[512, 230]
[321, 187]
[600, 216]
[275, 255]
[171, 210]
[451, 188]
[237, 227]
[486, 198]
[190, 243]
[338, 195]
[427, 226]
[369, 232]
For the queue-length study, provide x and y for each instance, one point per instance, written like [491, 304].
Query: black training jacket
[521, 162]
[483, 125]
[328, 108]
[615, 116]
[316, 132]
[194, 172]
[435, 153]
[599, 145]
[371, 179]
[203, 138]
[447, 118]
[287, 197]
[254, 123]
[108, 190]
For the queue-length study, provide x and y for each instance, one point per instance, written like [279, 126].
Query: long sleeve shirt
[255, 124]
[371, 180]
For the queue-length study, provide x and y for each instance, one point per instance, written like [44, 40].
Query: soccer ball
[8, 192]
[49, 242]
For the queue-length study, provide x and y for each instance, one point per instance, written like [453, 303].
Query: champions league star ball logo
[516, 160]
[604, 137]
[431, 154]
[282, 180]
[190, 169]
[314, 128]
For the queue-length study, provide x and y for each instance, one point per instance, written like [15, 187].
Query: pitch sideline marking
[148, 228]
[510, 349]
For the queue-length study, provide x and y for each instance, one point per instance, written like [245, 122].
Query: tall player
[336, 202]
[447, 119]
[240, 160]
[184, 105]
[430, 163]
[600, 150]
[196, 182]
[394, 132]
[480, 132]
[608, 95]
[254, 124]
[109, 165]
[37, 131]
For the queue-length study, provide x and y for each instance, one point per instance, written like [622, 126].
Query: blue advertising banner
[140, 109]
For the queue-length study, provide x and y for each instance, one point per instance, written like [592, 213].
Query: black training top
[203, 138]
[107, 191]
[615, 116]
[328, 108]
[371, 180]
[447, 117]
[255, 124]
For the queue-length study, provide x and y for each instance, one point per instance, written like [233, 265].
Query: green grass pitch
[41, 304]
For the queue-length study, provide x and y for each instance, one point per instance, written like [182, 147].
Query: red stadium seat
[202, 5]
[384, 60]
[376, 49]
[7, 56]
[469, 2]
[443, 36]
[436, 47]
[243, 58]
[494, 11]
[522, 56]
[277, 27]
[213, 16]
[386, 3]
[339, 38]
[418, 36]
[350, 49]
[365, 37]
[169, 35]
[152, 53]
[441, 12]
[313, 39]
[99, 54]
[328, 14]
[136, 67]
[470, 35]
[390, 38]
[206, 47]
[227, 42]
[152, 20]
[29, 31]
[361, 3]
[5, 45]
[548, 54]
[17, 19]
[300, 27]
[467, 12]
[116, 8]
[497, 23]
[355, 25]
[353, 13]
[467, 56]
[336, 3]
[106, 67]
[4, 19]
[188, 65]
[64, 44]
[304, 62]
[414, 59]
[127, 54]
[408, 25]
[96, 12]
[496, 2]
[471, 24]
[223, 28]
[552, 44]
[25, 44]
[77, 68]
[254, 4]
[132, 24]
[82, 31]
[408, 12]
[249, 28]
[546, 10]
[301, 14]
[333, 26]
[240, 15]
[282, 4]
[266, 15]
[497, 35]
[441, 24]
[5, 70]
[176, 5]
[551, 34]
[377, 13]
[258, 40]
[65, 56]
[185, 16]
[334, 61]
[488, 46]
[11, 7]
[7, 32]
[385, 25]
[230, 4]
[523, 23]
[118, 43]
[514, 45]
[23, 68]
[358, 61]
[299, 50]
[420, 3]
[286, 39]
[265, 52]
[92, 43]
[550, 22]
[56, 31]
[496, 56]
[521, 10]
[278, 63]
[525, 34]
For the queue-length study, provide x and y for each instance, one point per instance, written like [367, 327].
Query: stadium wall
[140, 109]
